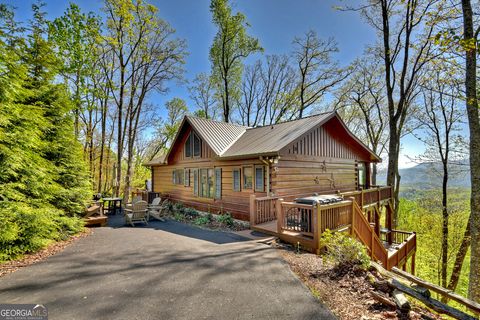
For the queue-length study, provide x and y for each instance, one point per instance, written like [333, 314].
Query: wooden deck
[302, 225]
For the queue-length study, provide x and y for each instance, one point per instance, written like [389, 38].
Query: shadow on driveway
[183, 229]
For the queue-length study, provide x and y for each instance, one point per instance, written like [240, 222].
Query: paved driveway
[164, 271]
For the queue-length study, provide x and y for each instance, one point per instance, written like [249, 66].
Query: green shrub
[226, 219]
[24, 229]
[178, 207]
[201, 220]
[344, 251]
[190, 213]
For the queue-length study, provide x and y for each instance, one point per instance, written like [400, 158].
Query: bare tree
[440, 120]
[317, 72]
[269, 92]
[362, 97]
[202, 92]
[405, 30]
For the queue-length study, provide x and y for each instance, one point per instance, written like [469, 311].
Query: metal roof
[230, 140]
[218, 135]
[272, 138]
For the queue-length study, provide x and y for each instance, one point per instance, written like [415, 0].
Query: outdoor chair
[157, 210]
[134, 200]
[137, 213]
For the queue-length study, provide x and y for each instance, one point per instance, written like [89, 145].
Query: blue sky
[274, 22]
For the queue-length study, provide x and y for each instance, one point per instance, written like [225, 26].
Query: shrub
[201, 220]
[344, 251]
[190, 213]
[226, 219]
[25, 229]
[178, 207]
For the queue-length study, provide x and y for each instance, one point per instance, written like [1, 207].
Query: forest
[77, 118]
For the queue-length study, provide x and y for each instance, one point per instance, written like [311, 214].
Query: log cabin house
[257, 173]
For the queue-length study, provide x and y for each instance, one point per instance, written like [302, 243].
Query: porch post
[389, 221]
[278, 207]
[253, 210]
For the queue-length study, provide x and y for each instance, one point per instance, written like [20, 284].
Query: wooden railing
[370, 196]
[362, 229]
[405, 250]
[335, 216]
[398, 236]
[263, 209]
[297, 217]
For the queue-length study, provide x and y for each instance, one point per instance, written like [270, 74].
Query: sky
[274, 22]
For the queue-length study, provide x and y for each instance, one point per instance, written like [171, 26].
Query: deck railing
[335, 216]
[403, 251]
[370, 196]
[263, 209]
[298, 218]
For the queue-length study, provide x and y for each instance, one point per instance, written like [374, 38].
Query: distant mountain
[430, 175]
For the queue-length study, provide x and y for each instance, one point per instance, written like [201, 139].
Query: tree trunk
[102, 145]
[392, 171]
[461, 253]
[119, 132]
[445, 224]
[474, 126]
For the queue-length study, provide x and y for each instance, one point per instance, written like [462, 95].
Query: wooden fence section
[263, 209]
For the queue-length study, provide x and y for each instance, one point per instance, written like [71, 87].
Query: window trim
[243, 178]
[186, 177]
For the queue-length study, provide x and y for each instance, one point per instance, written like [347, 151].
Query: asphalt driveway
[167, 270]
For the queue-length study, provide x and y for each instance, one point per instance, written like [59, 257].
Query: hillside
[429, 176]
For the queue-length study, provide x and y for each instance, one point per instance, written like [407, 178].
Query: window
[206, 183]
[193, 146]
[177, 176]
[247, 177]
[236, 179]
[186, 173]
[362, 175]
[259, 178]
[196, 145]
[218, 183]
[188, 146]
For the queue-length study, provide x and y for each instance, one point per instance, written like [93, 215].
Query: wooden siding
[319, 143]
[237, 203]
[295, 176]
[177, 155]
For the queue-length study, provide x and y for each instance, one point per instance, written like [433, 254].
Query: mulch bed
[347, 293]
[212, 224]
[32, 258]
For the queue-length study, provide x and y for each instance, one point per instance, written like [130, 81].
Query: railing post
[253, 209]
[362, 201]
[353, 216]
[316, 228]
[278, 206]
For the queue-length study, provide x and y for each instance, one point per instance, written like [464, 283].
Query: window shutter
[218, 183]
[186, 173]
[236, 179]
[259, 176]
[195, 182]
